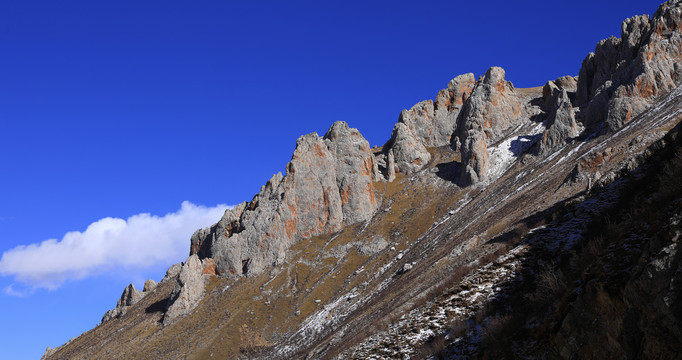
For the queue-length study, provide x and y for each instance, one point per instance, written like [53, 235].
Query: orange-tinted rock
[492, 109]
[625, 75]
[328, 184]
[353, 165]
[427, 124]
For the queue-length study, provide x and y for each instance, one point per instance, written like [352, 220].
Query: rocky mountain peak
[328, 184]
[491, 109]
[288, 274]
[623, 76]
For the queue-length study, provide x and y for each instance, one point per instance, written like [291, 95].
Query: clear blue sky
[113, 109]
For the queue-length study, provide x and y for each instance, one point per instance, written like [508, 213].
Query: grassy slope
[248, 316]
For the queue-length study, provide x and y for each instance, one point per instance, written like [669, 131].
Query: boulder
[372, 247]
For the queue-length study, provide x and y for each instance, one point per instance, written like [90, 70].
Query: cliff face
[359, 252]
[328, 185]
[623, 76]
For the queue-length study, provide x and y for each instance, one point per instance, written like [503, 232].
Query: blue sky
[113, 110]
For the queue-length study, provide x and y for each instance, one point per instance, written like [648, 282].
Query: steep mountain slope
[482, 202]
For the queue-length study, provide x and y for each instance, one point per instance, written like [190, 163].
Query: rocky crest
[329, 180]
[188, 290]
[560, 122]
[545, 161]
[491, 110]
[328, 184]
[623, 76]
[129, 297]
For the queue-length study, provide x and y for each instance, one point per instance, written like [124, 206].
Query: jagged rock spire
[623, 76]
[491, 109]
[328, 184]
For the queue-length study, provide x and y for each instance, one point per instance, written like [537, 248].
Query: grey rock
[328, 184]
[491, 110]
[203, 239]
[409, 153]
[390, 173]
[474, 152]
[458, 91]
[548, 90]
[48, 352]
[561, 124]
[354, 171]
[433, 123]
[306, 202]
[129, 297]
[172, 271]
[567, 82]
[374, 246]
[188, 290]
[623, 76]
[427, 124]
[149, 285]
[420, 121]
[551, 88]
[376, 174]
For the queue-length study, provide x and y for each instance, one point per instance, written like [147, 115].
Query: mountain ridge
[479, 148]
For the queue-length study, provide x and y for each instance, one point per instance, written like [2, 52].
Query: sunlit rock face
[623, 76]
[328, 184]
[492, 108]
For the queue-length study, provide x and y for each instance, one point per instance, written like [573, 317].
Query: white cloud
[141, 241]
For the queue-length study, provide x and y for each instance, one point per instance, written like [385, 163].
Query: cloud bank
[141, 241]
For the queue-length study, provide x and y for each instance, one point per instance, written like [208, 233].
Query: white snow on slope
[502, 156]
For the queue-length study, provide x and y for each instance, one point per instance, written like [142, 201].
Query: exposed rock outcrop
[567, 82]
[491, 109]
[172, 272]
[625, 75]
[149, 285]
[409, 154]
[417, 246]
[433, 123]
[354, 171]
[372, 247]
[129, 297]
[328, 184]
[427, 124]
[188, 291]
[561, 124]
